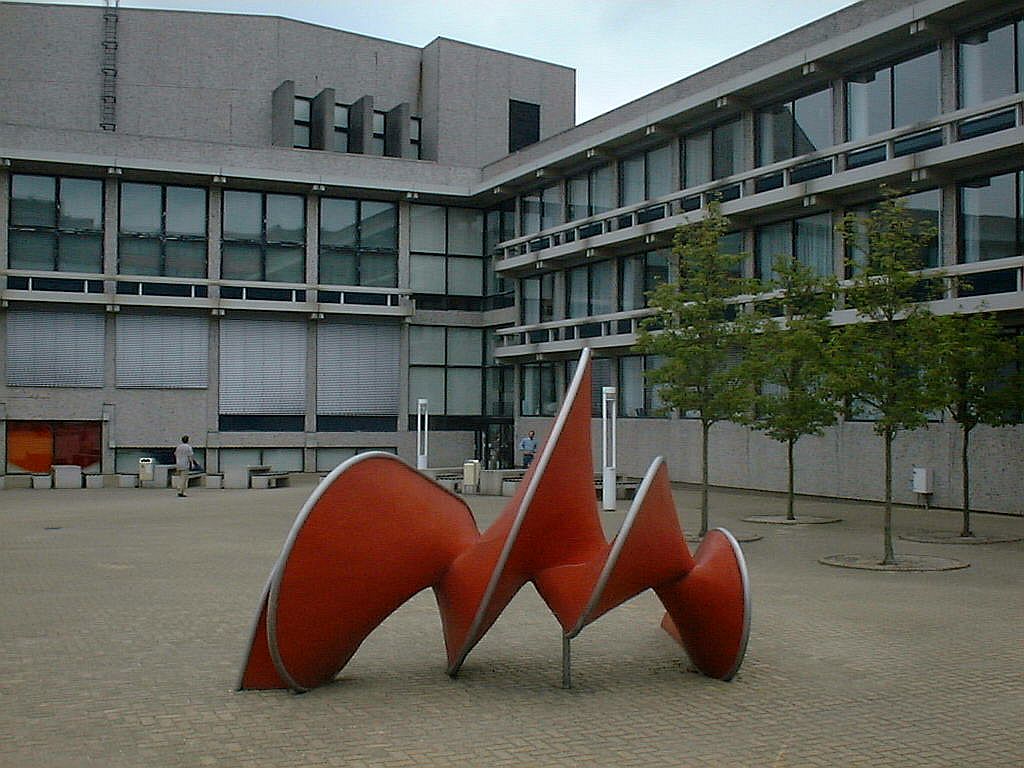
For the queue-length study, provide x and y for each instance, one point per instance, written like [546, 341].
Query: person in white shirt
[183, 459]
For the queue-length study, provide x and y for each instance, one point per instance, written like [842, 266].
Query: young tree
[788, 365]
[977, 371]
[698, 333]
[877, 361]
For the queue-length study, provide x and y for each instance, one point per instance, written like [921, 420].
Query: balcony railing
[942, 130]
[991, 285]
[154, 290]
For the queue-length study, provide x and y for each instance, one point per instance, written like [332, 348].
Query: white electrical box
[922, 480]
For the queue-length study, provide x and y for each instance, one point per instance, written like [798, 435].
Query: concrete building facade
[278, 237]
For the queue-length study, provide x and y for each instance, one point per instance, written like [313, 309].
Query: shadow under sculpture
[375, 532]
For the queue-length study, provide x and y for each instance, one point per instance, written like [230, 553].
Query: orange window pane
[77, 442]
[29, 446]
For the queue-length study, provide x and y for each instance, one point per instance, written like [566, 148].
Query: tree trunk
[966, 469]
[789, 502]
[704, 479]
[890, 558]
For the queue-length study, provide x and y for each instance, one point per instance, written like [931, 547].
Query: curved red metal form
[376, 531]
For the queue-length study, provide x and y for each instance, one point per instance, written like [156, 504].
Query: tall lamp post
[421, 433]
[608, 426]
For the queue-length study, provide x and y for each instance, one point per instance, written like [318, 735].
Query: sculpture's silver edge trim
[524, 505]
[616, 551]
[741, 563]
[274, 583]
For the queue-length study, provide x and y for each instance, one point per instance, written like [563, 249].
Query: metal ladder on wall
[108, 105]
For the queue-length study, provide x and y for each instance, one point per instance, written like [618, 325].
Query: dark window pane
[81, 204]
[727, 149]
[577, 204]
[186, 211]
[285, 264]
[812, 129]
[243, 215]
[379, 225]
[285, 218]
[868, 104]
[531, 209]
[916, 89]
[338, 219]
[141, 208]
[338, 268]
[864, 157]
[631, 180]
[773, 241]
[989, 216]
[774, 135]
[551, 210]
[185, 258]
[659, 171]
[32, 250]
[980, 126]
[523, 124]
[80, 253]
[986, 66]
[379, 270]
[697, 160]
[241, 262]
[33, 201]
[814, 243]
[602, 189]
[576, 291]
[138, 256]
[924, 206]
[340, 141]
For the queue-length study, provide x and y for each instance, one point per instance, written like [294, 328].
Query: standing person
[528, 445]
[183, 458]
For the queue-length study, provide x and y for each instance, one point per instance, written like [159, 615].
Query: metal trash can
[145, 470]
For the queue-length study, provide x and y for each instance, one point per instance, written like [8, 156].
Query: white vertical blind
[55, 348]
[162, 351]
[262, 366]
[357, 367]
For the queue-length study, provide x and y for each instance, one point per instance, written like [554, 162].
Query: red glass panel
[77, 442]
[29, 446]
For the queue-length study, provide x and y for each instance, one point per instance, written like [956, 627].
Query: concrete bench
[241, 477]
[270, 479]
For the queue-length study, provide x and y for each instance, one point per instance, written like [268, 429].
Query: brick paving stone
[125, 614]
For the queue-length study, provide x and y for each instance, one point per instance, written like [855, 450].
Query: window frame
[163, 238]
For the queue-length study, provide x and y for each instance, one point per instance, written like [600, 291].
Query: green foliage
[696, 331]
[787, 360]
[877, 362]
[977, 371]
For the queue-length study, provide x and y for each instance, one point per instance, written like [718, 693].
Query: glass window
[56, 223]
[577, 194]
[162, 230]
[465, 346]
[602, 190]
[427, 273]
[637, 398]
[697, 159]
[990, 212]
[602, 287]
[772, 242]
[427, 383]
[427, 228]
[795, 128]
[869, 104]
[915, 89]
[33, 201]
[377, 142]
[465, 231]
[537, 299]
[987, 63]
[807, 239]
[358, 242]
[426, 345]
[303, 107]
[263, 237]
[538, 389]
[659, 171]
[727, 149]
[577, 285]
[340, 128]
[465, 276]
[530, 211]
[892, 96]
[540, 210]
[631, 180]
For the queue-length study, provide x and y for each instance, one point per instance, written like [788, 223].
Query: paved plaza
[125, 616]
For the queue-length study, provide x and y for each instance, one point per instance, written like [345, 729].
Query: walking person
[528, 445]
[183, 459]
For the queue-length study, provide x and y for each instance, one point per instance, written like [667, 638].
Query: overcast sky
[620, 49]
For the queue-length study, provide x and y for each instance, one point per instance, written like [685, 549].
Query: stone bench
[270, 480]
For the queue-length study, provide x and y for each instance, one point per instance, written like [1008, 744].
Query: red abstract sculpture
[375, 532]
